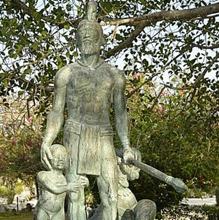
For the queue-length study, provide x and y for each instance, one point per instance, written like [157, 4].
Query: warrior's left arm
[120, 109]
[121, 115]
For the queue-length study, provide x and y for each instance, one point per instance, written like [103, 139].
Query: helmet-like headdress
[91, 22]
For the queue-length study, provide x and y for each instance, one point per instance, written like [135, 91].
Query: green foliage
[41, 39]
[10, 187]
[21, 152]
[212, 211]
[177, 139]
[4, 191]
[20, 141]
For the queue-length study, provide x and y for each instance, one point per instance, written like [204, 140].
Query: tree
[175, 37]
[20, 141]
[178, 140]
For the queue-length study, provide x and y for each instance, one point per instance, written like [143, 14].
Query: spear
[176, 183]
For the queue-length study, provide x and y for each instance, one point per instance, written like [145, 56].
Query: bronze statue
[89, 87]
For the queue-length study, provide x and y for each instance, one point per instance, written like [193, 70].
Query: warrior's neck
[90, 60]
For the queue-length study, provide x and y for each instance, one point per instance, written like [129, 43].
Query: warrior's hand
[46, 156]
[128, 155]
[177, 184]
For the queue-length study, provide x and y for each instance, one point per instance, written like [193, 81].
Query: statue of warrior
[89, 88]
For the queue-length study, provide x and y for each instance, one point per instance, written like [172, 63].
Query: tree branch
[142, 84]
[139, 22]
[201, 76]
[150, 19]
[127, 42]
[175, 15]
[206, 70]
[213, 46]
[175, 88]
[157, 98]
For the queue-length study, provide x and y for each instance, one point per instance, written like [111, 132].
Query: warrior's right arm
[56, 116]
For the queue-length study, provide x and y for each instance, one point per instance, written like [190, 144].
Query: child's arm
[43, 180]
[83, 180]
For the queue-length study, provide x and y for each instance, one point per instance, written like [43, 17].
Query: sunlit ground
[16, 216]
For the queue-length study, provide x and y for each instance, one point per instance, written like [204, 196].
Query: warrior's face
[89, 38]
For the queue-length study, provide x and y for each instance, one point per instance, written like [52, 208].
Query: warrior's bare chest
[94, 83]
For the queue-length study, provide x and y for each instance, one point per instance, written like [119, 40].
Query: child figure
[53, 186]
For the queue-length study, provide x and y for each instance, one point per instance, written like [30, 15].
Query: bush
[178, 138]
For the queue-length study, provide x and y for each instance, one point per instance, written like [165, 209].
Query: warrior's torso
[88, 94]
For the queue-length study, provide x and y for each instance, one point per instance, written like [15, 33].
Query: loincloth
[84, 141]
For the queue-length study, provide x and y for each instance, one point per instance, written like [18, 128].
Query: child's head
[59, 154]
[131, 171]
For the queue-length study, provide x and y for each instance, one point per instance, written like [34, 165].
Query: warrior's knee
[110, 200]
[113, 200]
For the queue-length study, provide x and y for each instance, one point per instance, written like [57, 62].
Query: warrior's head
[90, 34]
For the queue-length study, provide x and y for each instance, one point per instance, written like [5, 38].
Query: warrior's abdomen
[89, 98]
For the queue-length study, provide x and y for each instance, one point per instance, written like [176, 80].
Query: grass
[16, 216]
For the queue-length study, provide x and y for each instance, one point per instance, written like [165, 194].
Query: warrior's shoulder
[116, 73]
[62, 76]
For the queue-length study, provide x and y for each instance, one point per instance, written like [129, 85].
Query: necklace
[91, 67]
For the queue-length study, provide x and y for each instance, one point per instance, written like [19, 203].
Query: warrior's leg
[145, 210]
[76, 207]
[76, 200]
[108, 180]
